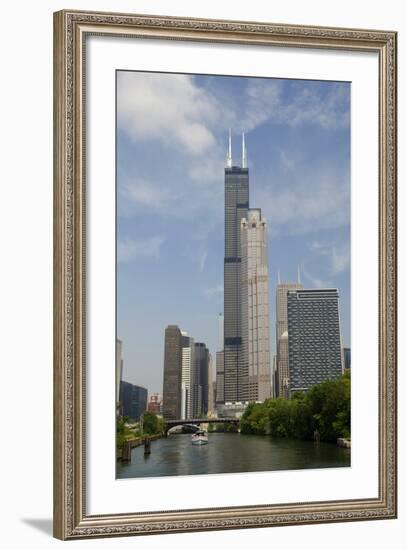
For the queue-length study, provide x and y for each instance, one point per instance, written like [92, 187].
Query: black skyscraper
[201, 371]
[172, 373]
[236, 207]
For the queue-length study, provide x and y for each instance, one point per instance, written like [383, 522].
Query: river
[230, 452]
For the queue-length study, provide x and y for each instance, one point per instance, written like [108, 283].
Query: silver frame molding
[70, 31]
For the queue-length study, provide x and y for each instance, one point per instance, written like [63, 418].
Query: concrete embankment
[125, 452]
[343, 442]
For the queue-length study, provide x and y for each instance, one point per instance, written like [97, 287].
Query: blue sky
[172, 133]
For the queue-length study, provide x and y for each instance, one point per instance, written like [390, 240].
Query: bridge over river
[197, 422]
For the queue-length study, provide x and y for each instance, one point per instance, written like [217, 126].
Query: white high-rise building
[255, 306]
[211, 400]
[187, 360]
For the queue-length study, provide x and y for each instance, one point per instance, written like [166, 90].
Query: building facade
[346, 358]
[211, 387]
[236, 208]
[172, 383]
[281, 372]
[255, 349]
[187, 375]
[314, 338]
[220, 379]
[201, 380]
[133, 400]
[154, 404]
[274, 385]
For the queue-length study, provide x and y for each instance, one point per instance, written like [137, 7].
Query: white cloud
[210, 171]
[174, 112]
[320, 248]
[144, 193]
[338, 255]
[177, 201]
[305, 106]
[133, 249]
[212, 291]
[169, 109]
[340, 258]
[288, 161]
[316, 282]
[202, 260]
[310, 201]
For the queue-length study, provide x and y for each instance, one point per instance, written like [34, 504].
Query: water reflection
[230, 452]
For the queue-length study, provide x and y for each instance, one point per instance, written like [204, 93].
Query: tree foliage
[325, 408]
[123, 432]
[152, 424]
[222, 427]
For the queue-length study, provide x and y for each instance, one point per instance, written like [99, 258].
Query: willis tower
[236, 209]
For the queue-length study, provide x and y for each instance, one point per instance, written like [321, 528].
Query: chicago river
[230, 453]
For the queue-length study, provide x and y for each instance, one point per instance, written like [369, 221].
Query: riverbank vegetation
[150, 425]
[123, 431]
[323, 412]
[222, 427]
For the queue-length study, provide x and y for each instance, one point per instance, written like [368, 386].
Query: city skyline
[170, 238]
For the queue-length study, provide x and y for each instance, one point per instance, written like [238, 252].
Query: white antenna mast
[229, 153]
[244, 155]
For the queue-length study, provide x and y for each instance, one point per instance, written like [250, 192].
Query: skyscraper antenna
[298, 275]
[229, 153]
[244, 159]
[278, 277]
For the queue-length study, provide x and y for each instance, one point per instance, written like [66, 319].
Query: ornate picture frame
[71, 30]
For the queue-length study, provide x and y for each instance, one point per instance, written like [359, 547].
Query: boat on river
[199, 438]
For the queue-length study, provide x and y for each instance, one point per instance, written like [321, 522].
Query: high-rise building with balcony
[314, 338]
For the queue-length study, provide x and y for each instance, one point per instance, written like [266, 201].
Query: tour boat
[199, 438]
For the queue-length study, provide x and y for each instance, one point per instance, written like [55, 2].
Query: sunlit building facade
[282, 372]
[255, 351]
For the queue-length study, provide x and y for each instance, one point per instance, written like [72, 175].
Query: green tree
[123, 432]
[329, 404]
[152, 424]
[325, 407]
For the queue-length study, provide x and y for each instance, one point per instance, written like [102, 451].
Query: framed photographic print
[225, 274]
